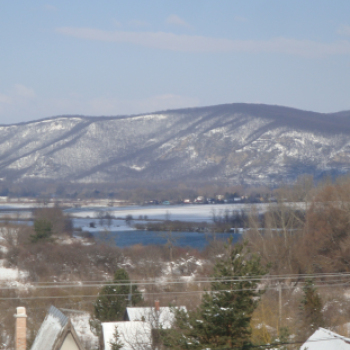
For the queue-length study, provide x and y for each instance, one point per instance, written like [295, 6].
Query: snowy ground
[11, 206]
[8, 274]
[195, 213]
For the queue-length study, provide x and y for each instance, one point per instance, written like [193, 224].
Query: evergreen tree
[311, 310]
[43, 230]
[116, 344]
[223, 319]
[113, 299]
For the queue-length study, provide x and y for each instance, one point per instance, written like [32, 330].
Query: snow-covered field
[195, 213]
[12, 206]
[192, 212]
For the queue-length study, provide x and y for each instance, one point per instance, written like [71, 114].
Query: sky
[118, 57]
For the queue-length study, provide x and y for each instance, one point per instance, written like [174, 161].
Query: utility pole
[130, 295]
[279, 306]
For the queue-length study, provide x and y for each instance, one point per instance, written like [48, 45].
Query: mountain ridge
[232, 143]
[346, 112]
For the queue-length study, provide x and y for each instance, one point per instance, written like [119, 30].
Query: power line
[234, 279]
[281, 276]
[162, 293]
[265, 278]
[210, 279]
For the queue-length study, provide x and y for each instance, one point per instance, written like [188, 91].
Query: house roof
[133, 335]
[53, 331]
[165, 318]
[81, 324]
[324, 339]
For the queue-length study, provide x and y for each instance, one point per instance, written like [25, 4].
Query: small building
[155, 316]
[139, 327]
[324, 339]
[200, 200]
[56, 333]
[132, 335]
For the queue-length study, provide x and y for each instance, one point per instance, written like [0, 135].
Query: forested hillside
[230, 144]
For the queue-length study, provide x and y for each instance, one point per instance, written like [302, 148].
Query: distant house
[151, 202]
[137, 330]
[324, 339]
[135, 335]
[56, 333]
[200, 200]
[156, 316]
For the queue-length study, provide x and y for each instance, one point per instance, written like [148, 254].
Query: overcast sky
[112, 57]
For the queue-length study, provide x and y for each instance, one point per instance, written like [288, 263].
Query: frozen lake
[117, 230]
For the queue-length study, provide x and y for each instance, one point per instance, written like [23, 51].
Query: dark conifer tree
[223, 319]
[116, 344]
[113, 299]
[42, 229]
[311, 310]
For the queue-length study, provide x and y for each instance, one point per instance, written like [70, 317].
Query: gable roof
[133, 335]
[324, 339]
[164, 318]
[53, 331]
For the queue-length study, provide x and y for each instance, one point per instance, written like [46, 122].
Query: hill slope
[235, 143]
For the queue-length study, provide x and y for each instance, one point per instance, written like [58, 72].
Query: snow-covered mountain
[235, 143]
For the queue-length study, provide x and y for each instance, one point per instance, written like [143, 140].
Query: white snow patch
[7, 274]
[150, 117]
[137, 168]
[10, 274]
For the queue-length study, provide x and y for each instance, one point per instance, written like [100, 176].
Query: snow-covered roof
[50, 330]
[164, 318]
[135, 335]
[324, 339]
[56, 332]
[81, 324]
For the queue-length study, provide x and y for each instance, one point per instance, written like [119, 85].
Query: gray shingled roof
[53, 325]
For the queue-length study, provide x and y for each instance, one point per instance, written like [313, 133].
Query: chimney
[156, 305]
[21, 328]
